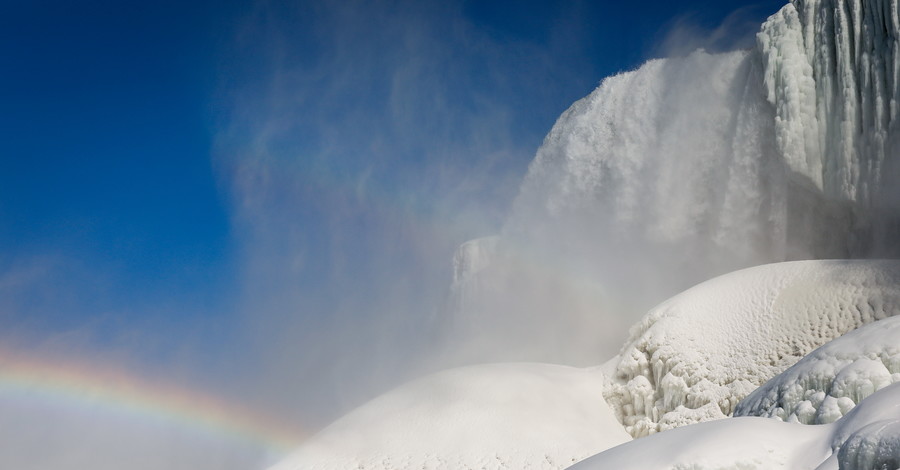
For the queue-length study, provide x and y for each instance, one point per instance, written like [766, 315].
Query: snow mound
[524, 416]
[831, 380]
[695, 356]
[867, 438]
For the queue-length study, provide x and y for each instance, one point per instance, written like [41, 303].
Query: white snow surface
[830, 381]
[867, 438]
[496, 416]
[695, 356]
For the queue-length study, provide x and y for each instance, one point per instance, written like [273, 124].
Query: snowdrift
[497, 416]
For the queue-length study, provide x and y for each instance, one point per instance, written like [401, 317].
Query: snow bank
[867, 438]
[695, 356]
[523, 416]
[827, 383]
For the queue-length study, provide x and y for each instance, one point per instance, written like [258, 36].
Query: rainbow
[81, 384]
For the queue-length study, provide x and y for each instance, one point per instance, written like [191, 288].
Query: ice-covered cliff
[690, 167]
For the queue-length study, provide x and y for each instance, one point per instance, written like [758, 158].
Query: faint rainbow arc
[115, 390]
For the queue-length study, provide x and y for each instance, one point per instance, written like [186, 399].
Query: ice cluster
[830, 381]
[695, 356]
[867, 438]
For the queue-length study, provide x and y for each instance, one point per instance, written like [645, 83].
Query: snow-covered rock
[867, 438]
[695, 356]
[523, 416]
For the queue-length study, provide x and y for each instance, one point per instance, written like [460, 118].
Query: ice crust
[497, 416]
[867, 438]
[695, 356]
[830, 381]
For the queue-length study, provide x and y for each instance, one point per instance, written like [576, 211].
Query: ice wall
[691, 167]
[832, 73]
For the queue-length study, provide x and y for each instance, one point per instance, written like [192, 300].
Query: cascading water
[691, 167]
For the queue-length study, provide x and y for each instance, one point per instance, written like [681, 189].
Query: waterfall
[690, 167]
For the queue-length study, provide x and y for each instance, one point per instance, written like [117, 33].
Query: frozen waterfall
[690, 167]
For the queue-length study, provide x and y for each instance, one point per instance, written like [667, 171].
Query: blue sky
[236, 189]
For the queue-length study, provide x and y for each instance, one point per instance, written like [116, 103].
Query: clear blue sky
[130, 199]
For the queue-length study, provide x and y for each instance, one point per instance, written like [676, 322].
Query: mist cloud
[369, 142]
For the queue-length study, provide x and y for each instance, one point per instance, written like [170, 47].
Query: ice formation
[523, 416]
[867, 438]
[833, 75]
[695, 356]
[662, 177]
[830, 381]
[691, 359]
[691, 167]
